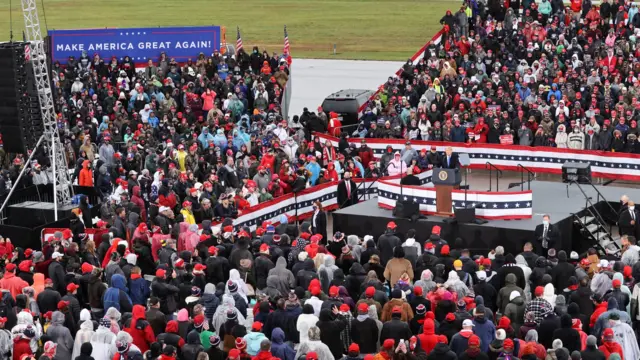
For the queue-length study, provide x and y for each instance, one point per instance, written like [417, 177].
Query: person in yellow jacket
[181, 156]
[187, 213]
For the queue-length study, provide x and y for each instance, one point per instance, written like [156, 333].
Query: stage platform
[552, 198]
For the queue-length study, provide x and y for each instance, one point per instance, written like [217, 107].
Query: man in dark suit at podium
[449, 159]
[347, 191]
[547, 235]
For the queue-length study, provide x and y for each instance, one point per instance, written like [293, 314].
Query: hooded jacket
[569, 336]
[60, 335]
[254, 339]
[428, 338]
[330, 330]
[505, 292]
[193, 346]
[140, 330]
[279, 348]
[365, 333]
[85, 178]
[83, 336]
[116, 296]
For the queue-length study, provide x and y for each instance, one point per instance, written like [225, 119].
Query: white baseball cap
[164, 208]
[56, 255]
[467, 322]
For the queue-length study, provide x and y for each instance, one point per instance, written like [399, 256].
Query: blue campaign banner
[140, 44]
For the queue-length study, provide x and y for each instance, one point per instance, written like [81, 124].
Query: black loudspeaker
[465, 215]
[406, 209]
[20, 116]
[576, 171]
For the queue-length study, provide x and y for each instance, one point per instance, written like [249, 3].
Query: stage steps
[595, 231]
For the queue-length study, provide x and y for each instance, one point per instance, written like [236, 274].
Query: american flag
[27, 53]
[239, 41]
[286, 41]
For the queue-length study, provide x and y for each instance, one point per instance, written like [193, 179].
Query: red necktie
[348, 188]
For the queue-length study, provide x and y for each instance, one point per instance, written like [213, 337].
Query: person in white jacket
[576, 139]
[522, 263]
[306, 321]
[623, 334]
[314, 345]
[562, 138]
[102, 339]
[397, 166]
[291, 148]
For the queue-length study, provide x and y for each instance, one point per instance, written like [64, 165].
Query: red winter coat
[13, 283]
[428, 338]
[610, 347]
[481, 129]
[21, 347]
[140, 329]
[268, 162]
[366, 155]
[334, 125]
[136, 199]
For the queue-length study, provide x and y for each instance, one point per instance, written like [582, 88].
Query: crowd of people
[174, 148]
[533, 73]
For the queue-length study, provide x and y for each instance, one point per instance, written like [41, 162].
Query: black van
[347, 103]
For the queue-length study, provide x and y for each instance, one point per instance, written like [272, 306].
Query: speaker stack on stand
[20, 116]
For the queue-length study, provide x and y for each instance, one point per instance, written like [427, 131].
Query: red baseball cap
[344, 308]
[445, 250]
[370, 292]
[312, 355]
[616, 283]
[391, 225]
[72, 287]
[334, 291]
[213, 250]
[354, 348]
[257, 326]
[11, 267]
[161, 273]
[363, 307]
[539, 291]
[388, 344]
[199, 267]
[396, 310]
[436, 230]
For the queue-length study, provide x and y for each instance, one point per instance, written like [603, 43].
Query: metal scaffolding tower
[37, 56]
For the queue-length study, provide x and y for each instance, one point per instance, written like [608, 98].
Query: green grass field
[361, 29]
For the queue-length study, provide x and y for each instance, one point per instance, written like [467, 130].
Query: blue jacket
[117, 295]
[314, 168]
[219, 139]
[139, 289]
[554, 91]
[458, 134]
[486, 331]
[204, 139]
[253, 340]
[279, 348]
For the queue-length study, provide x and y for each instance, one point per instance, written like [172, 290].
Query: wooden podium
[445, 180]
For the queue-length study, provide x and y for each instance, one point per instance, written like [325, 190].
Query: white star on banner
[405, 198]
[462, 204]
[120, 33]
[517, 204]
[127, 33]
[495, 206]
[480, 155]
[433, 201]
[528, 204]
[474, 204]
[506, 205]
[484, 205]
[424, 200]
